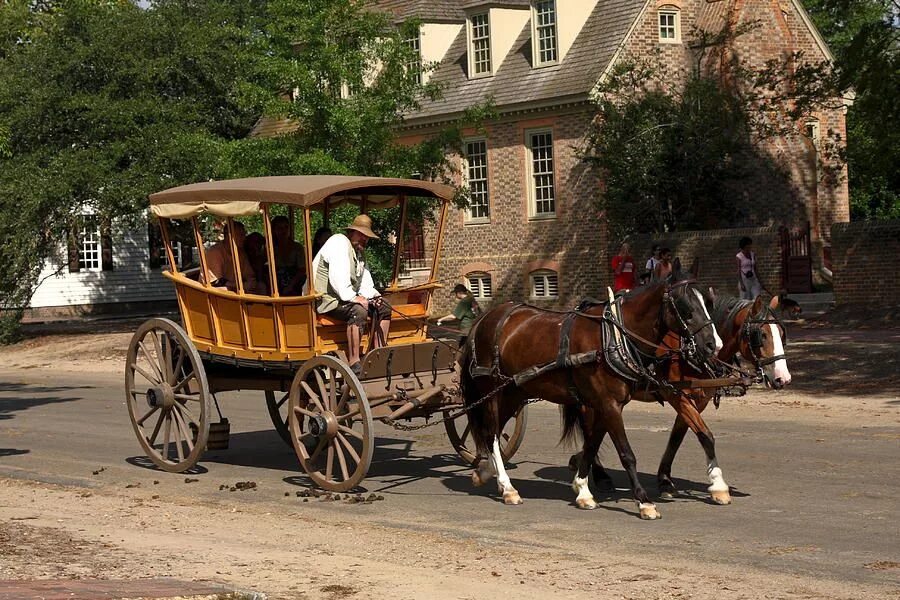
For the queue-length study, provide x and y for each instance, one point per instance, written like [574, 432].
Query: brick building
[534, 231]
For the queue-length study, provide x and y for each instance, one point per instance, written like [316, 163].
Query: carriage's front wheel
[167, 395]
[459, 433]
[331, 424]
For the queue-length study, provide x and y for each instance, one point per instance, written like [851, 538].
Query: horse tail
[572, 423]
[482, 418]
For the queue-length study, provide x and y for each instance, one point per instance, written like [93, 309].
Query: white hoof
[477, 481]
[722, 497]
[649, 512]
[668, 495]
[512, 498]
[586, 503]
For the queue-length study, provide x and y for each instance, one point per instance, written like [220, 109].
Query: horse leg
[593, 437]
[679, 429]
[616, 429]
[718, 489]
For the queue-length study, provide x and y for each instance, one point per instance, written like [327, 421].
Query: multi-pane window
[176, 253]
[668, 26]
[544, 284]
[414, 66]
[542, 192]
[477, 179]
[89, 250]
[545, 32]
[813, 133]
[481, 44]
[479, 285]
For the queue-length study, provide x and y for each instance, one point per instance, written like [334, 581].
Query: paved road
[815, 493]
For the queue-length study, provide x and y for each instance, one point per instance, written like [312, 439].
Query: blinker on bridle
[753, 332]
[688, 343]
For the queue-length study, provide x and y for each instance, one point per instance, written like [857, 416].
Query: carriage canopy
[239, 197]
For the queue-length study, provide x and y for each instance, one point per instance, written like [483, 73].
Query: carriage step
[219, 433]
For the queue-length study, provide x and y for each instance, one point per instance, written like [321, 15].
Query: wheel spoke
[160, 356]
[178, 449]
[183, 428]
[145, 417]
[341, 460]
[187, 379]
[345, 396]
[283, 400]
[332, 389]
[151, 362]
[323, 389]
[186, 411]
[312, 396]
[137, 368]
[348, 416]
[505, 436]
[188, 397]
[176, 371]
[329, 462]
[315, 454]
[304, 412]
[167, 358]
[349, 447]
[465, 434]
[350, 431]
[152, 438]
[166, 436]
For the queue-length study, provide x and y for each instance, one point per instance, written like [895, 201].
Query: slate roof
[516, 82]
[426, 10]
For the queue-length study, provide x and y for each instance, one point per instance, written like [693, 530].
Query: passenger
[466, 311]
[290, 264]
[349, 293]
[319, 239]
[255, 248]
[220, 266]
[664, 267]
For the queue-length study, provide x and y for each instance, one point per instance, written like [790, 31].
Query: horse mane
[728, 306]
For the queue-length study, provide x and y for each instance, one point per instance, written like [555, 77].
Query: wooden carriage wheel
[277, 403]
[331, 424]
[167, 395]
[510, 439]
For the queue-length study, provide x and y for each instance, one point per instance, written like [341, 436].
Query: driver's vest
[330, 300]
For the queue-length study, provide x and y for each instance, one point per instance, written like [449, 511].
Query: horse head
[686, 313]
[763, 342]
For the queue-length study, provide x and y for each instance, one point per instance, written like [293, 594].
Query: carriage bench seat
[416, 311]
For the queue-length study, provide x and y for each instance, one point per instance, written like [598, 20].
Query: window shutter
[106, 256]
[154, 237]
[72, 248]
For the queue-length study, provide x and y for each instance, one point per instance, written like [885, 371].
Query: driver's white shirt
[336, 254]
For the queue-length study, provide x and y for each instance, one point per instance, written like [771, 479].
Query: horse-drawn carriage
[235, 340]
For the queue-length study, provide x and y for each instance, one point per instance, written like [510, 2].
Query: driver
[349, 293]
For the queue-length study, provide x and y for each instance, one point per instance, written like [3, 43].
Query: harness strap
[493, 369]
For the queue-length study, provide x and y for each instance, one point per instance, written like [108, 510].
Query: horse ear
[773, 303]
[695, 268]
[712, 293]
[757, 306]
[676, 265]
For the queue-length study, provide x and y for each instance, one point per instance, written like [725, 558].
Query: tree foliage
[865, 37]
[103, 102]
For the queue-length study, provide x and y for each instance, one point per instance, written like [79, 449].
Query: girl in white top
[748, 280]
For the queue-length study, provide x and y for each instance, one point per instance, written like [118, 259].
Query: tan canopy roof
[238, 197]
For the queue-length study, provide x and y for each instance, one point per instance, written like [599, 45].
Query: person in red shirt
[623, 269]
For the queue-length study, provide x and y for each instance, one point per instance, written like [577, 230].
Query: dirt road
[815, 473]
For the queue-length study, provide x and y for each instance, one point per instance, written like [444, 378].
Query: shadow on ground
[17, 397]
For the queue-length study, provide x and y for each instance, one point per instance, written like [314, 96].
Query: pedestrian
[466, 311]
[623, 269]
[664, 267]
[647, 275]
[748, 278]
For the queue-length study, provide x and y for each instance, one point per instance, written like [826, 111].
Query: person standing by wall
[748, 278]
[623, 269]
[664, 267]
[647, 275]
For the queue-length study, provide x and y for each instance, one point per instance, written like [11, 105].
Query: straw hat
[363, 224]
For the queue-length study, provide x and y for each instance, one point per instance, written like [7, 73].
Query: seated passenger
[341, 275]
[255, 249]
[319, 239]
[290, 263]
[220, 266]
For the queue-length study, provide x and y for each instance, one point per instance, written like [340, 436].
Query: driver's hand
[362, 302]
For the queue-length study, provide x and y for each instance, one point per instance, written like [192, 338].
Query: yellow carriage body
[249, 328]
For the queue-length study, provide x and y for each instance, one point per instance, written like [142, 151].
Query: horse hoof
[512, 498]
[721, 497]
[667, 494]
[649, 512]
[586, 503]
[477, 481]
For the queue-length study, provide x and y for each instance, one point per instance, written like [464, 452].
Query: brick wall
[864, 257]
[716, 250]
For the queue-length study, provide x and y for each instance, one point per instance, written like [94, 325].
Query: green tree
[865, 36]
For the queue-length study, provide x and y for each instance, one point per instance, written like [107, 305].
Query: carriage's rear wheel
[331, 424]
[461, 439]
[167, 395]
[277, 403]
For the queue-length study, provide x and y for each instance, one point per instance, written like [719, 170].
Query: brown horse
[516, 352]
[749, 330]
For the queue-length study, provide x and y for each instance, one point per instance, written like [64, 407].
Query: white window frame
[467, 178]
[535, 35]
[675, 13]
[176, 253]
[483, 283]
[542, 280]
[533, 212]
[490, 50]
[415, 44]
[90, 244]
[813, 130]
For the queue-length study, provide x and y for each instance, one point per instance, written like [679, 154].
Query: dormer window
[480, 45]
[414, 66]
[546, 47]
[669, 25]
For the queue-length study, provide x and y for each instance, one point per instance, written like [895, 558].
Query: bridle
[688, 343]
[752, 332]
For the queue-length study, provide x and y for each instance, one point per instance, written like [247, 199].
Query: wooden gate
[796, 260]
